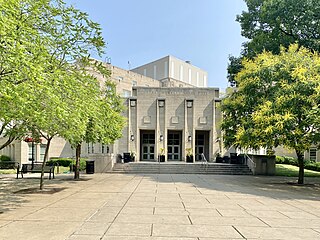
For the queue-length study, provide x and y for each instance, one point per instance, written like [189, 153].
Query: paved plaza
[159, 207]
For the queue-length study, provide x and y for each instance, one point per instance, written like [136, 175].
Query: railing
[250, 163]
[204, 161]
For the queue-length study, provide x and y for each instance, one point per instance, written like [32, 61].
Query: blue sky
[140, 31]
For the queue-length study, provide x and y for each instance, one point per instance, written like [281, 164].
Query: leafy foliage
[47, 81]
[276, 103]
[269, 24]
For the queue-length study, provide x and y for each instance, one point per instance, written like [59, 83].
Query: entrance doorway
[174, 145]
[147, 146]
[202, 145]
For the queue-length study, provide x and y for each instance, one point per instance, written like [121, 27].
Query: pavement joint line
[151, 230]
[122, 207]
[284, 214]
[190, 220]
[153, 211]
[239, 232]
[241, 207]
[263, 221]
[219, 212]
[316, 230]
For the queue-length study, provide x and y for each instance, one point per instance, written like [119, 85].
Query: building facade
[170, 112]
[173, 72]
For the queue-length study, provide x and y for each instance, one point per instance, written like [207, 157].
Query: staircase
[182, 168]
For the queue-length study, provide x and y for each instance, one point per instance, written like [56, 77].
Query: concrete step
[182, 168]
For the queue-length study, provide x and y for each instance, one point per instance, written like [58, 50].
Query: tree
[39, 38]
[269, 24]
[104, 123]
[45, 87]
[277, 102]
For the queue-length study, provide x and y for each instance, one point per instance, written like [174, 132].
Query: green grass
[293, 171]
[8, 171]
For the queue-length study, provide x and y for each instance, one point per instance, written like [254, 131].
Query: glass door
[148, 146]
[174, 146]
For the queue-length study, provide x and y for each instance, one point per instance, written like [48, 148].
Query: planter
[189, 159]
[162, 158]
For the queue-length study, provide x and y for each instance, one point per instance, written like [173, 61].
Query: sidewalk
[159, 207]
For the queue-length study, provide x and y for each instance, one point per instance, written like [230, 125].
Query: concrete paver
[159, 207]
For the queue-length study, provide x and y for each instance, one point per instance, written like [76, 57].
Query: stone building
[170, 111]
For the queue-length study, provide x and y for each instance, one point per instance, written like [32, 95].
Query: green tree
[39, 38]
[104, 122]
[269, 24]
[276, 103]
[45, 86]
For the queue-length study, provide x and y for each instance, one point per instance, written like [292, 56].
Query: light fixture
[189, 138]
[132, 137]
[218, 139]
[161, 138]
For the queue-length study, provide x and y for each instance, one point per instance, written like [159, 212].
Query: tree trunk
[78, 153]
[7, 143]
[46, 155]
[301, 167]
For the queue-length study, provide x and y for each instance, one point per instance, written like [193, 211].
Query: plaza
[159, 206]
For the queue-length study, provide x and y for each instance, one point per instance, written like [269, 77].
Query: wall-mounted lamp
[161, 138]
[218, 139]
[189, 138]
[132, 137]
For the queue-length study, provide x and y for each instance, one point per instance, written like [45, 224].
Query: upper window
[313, 154]
[126, 93]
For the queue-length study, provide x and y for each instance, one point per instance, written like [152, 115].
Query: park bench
[34, 168]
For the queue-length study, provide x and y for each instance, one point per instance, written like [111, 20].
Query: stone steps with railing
[182, 168]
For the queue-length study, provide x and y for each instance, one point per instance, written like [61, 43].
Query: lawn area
[293, 171]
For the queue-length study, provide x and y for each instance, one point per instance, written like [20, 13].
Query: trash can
[89, 167]
[126, 157]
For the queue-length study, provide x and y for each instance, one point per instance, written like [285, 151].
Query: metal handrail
[204, 161]
[251, 164]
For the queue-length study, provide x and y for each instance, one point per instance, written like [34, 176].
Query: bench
[34, 168]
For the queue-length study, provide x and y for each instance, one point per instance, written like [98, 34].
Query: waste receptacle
[126, 157]
[89, 167]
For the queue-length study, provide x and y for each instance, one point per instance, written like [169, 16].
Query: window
[126, 93]
[102, 148]
[32, 152]
[42, 151]
[134, 83]
[313, 154]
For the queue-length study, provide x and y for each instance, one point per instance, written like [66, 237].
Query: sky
[140, 31]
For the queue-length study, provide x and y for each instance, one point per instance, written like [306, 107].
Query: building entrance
[147, 146]
[174, 145]
[202, 145]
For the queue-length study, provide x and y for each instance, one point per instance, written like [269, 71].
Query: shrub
[4, 158]
[286, 160]
[314, 166]
[67, 162]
